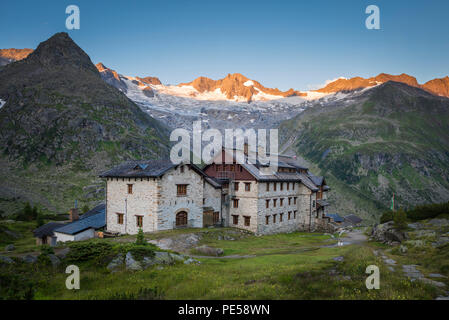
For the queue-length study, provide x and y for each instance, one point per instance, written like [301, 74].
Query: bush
[15, 287]
[95, 251]
[46, 249]
[386, 216]
[39, 220]
[140, 239]
[428, 211]
[400, 219]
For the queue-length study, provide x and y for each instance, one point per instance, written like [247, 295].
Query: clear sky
[280, 43]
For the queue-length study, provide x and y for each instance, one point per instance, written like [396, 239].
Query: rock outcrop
[439, 87]
[387, 233]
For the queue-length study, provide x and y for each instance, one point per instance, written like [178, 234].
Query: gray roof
[139, 169]
[214, 182]
[353, 218]
[47, 229]
[318, 181]
[95, 221]
[335, 216]
[322, 203]
[98, 209]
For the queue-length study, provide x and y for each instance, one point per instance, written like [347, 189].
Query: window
[282, 186]
[181, 190]
[204, 201]
[293, 187]
[268, 186]
[267, 203]
[241, 169]
[289, 215]
[288, 185]
[281, 217]
[120, 218]
[181, 169]
[219, 167]
[130, 188]
[274, 218]
[294, 214]
[236, 203]
[267, 219]
[236, 186]
[247, 221]
[235, 219]
[232, 167]
[247, 186]
[294, 200]
[139, 221]
[313, 203]
[281, 202]
[216, 217]
[275, 186]
[274, 202]
[289, 201]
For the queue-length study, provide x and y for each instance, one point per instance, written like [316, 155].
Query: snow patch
[248, 83]
[2, 103]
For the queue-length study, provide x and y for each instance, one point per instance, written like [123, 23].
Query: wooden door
[181, 219]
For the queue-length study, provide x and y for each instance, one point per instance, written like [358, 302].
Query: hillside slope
[393, 138]
[61, 124]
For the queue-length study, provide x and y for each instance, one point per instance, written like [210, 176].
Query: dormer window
[181, 169]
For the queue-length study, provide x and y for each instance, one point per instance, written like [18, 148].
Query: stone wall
[247, 206]
[170, 204]
[142, 202]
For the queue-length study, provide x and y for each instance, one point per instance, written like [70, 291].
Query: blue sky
[283, 44]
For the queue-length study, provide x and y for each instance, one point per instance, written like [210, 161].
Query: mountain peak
[237, 87]
[60, 49]
[438, 87]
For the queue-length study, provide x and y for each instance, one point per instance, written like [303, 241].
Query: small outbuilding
[45, 234]
[336, 218]
[85, 227]
[353, 219]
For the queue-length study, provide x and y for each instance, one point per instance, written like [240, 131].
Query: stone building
[158, 195]
[264, 202]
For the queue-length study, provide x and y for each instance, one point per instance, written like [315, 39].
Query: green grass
[25, 243]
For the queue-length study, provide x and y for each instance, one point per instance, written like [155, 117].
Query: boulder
[131, 263]
[116, 263]
[191, 261]
[439, 222]
[10, 247]
[387, 233]
[209, 251]
[442, 241]
[416, 243]
[338, 259]
[7, 260]
[54, 260]
[177, 257]
[163, 258]
[29, 259]
[415, 225]
[63, 253]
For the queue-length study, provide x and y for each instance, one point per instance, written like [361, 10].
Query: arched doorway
[181, 219]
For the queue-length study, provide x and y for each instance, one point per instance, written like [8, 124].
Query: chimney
[73, 214]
